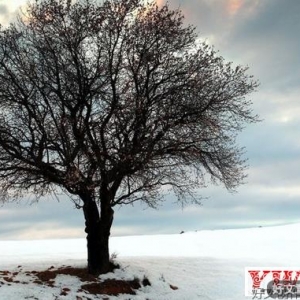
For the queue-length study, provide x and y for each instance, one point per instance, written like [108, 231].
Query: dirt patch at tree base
[50, 274]
[113, 287]
[91, 284]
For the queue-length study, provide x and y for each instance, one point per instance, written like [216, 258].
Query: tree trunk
[98, 232]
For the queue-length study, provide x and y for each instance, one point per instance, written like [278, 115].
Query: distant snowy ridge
[206, 265]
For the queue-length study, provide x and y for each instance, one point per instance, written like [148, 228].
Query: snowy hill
[203, 265]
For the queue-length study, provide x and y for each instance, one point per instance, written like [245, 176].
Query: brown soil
[50, 274]
[91, 284]
[112, 287]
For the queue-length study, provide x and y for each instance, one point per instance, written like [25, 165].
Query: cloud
[25, 220]
[269, 47]
[3, 9]
[260, 34]
[8, 11]
[233, 6]
[48, 230]
[160, 2]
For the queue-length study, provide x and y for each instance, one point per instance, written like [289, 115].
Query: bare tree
[110, 102]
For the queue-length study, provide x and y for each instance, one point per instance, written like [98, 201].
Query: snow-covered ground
[208, 265]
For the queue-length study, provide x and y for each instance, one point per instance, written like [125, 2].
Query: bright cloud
[247, 7]
[233, 6]
[160, 2]
[8, 9]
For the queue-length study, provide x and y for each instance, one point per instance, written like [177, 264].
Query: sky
[263, 35]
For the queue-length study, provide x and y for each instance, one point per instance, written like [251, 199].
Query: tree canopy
[111, 102]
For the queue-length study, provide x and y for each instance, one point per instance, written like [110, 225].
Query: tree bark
[97, 228]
